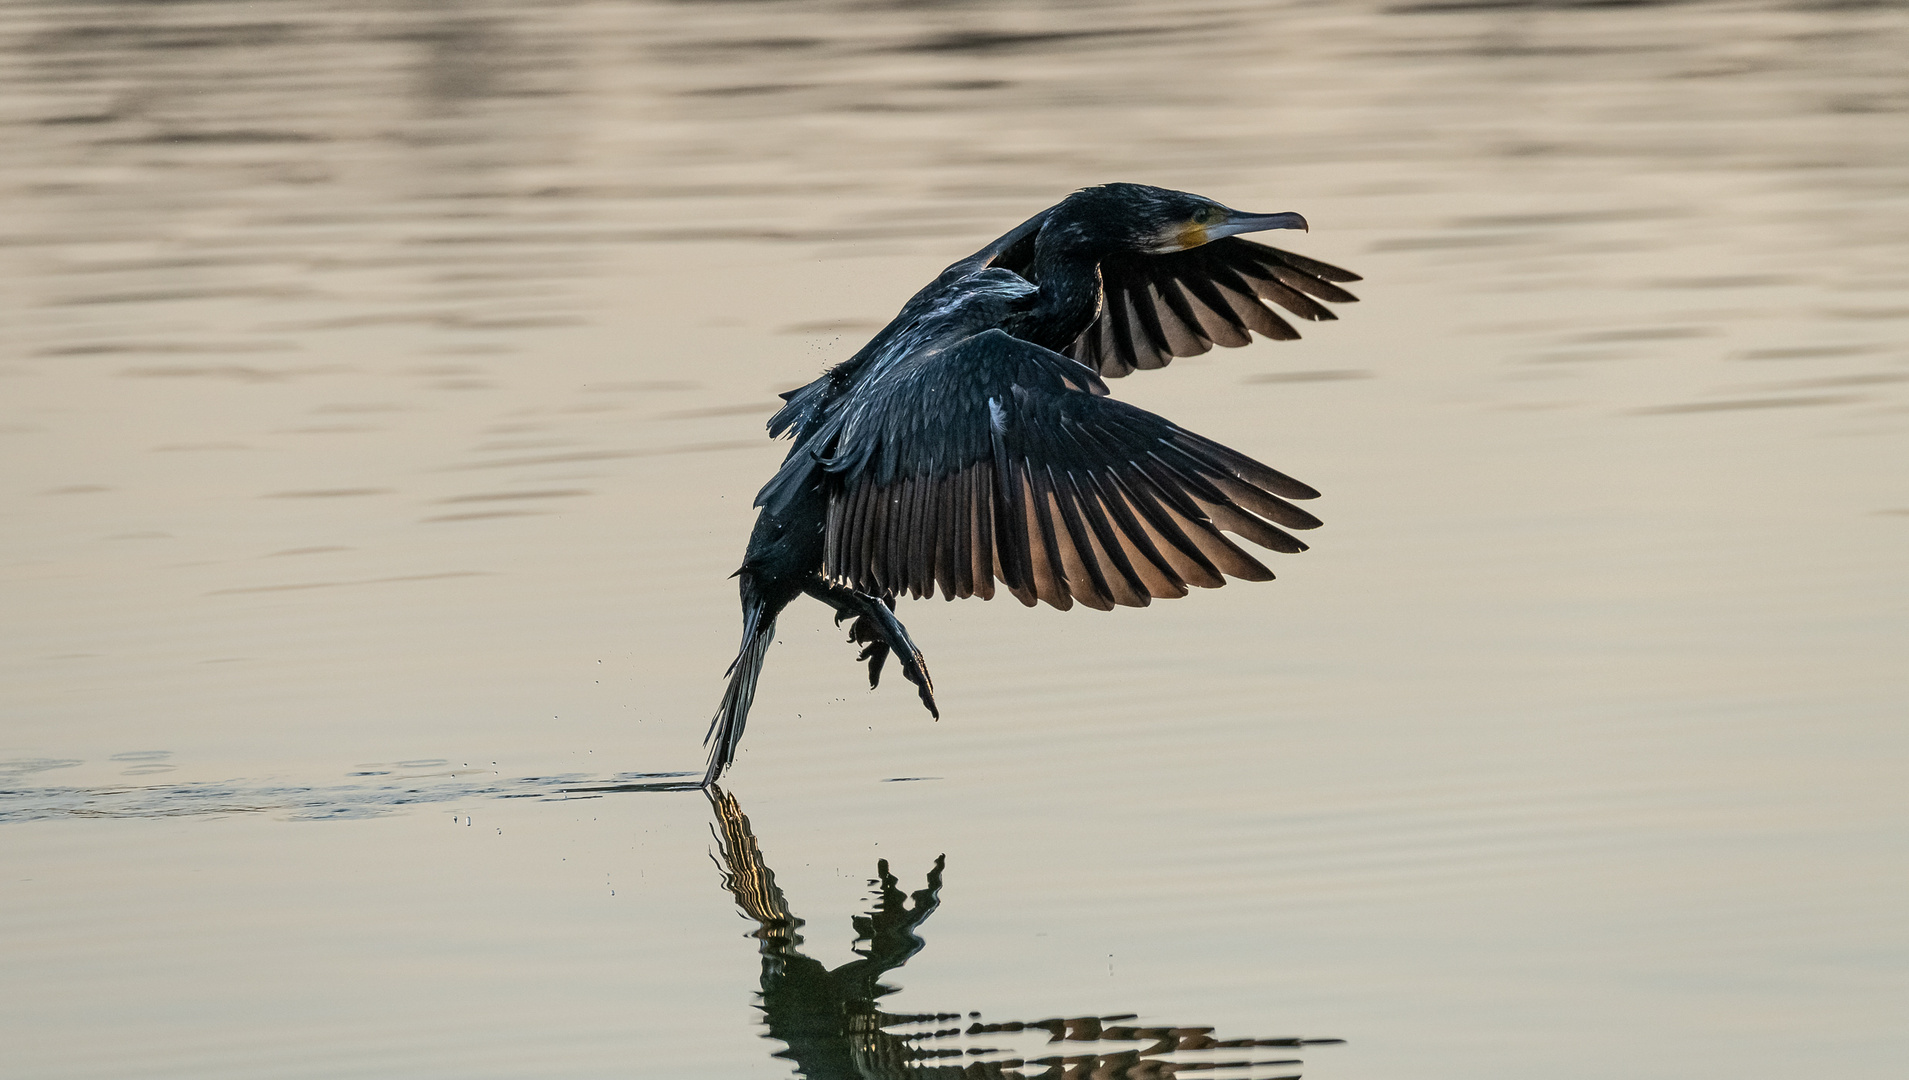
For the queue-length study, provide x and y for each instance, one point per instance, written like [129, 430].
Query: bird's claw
[876, 655]
[864, 632]
[876, 627]
[914, 668]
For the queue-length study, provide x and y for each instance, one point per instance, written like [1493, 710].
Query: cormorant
[971, 440]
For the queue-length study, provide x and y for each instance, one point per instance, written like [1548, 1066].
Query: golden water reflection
[834, 1029]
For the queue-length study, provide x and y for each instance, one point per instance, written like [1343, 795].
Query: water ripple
[292, 802]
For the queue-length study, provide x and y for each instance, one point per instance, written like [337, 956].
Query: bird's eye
[1205, 215]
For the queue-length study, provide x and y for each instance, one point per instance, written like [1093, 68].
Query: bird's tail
[725, 728]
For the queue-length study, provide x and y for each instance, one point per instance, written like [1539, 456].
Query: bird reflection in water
[830, 1022]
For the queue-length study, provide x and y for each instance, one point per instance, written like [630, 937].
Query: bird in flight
[972, 440]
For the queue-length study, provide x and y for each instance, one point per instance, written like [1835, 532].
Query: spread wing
[1156, 307]
[995, 459]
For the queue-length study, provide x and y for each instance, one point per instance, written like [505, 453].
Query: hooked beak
[1238, 223]
[1193, 234]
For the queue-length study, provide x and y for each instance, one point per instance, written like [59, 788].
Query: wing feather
[926, 540]
[1271, 507]
[1162, 525]
[1114, 579]
[1240, 523]
[1126, 328]
[991, 460]
[985, 567]
[947, 535]
[1152, 569]
[1238, 293]
[1293, 278]
[875, 554]
[1268, 287]
[1124, 584]
[1014, 546]
[1116, 353]
[1182, 326]
[1085, 579]
[848, 519]
[1217, 320]
[1048, 578]
[1157, 307]
[910, 538]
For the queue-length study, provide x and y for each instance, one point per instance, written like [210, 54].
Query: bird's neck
[1069, 280]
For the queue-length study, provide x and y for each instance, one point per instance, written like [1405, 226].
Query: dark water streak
[343, 802]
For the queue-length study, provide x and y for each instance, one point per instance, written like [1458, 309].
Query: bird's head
[1156, 221]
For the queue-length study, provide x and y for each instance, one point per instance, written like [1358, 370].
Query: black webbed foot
[876, 627]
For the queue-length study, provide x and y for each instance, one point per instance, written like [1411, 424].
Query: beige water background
[381, 391]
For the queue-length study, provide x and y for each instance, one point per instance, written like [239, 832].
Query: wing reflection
[829, 1020]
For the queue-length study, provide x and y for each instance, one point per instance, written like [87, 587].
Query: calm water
[381, 391]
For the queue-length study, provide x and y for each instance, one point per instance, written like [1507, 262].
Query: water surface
[381, 396]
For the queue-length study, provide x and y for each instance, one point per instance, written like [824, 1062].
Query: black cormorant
[972, 439]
